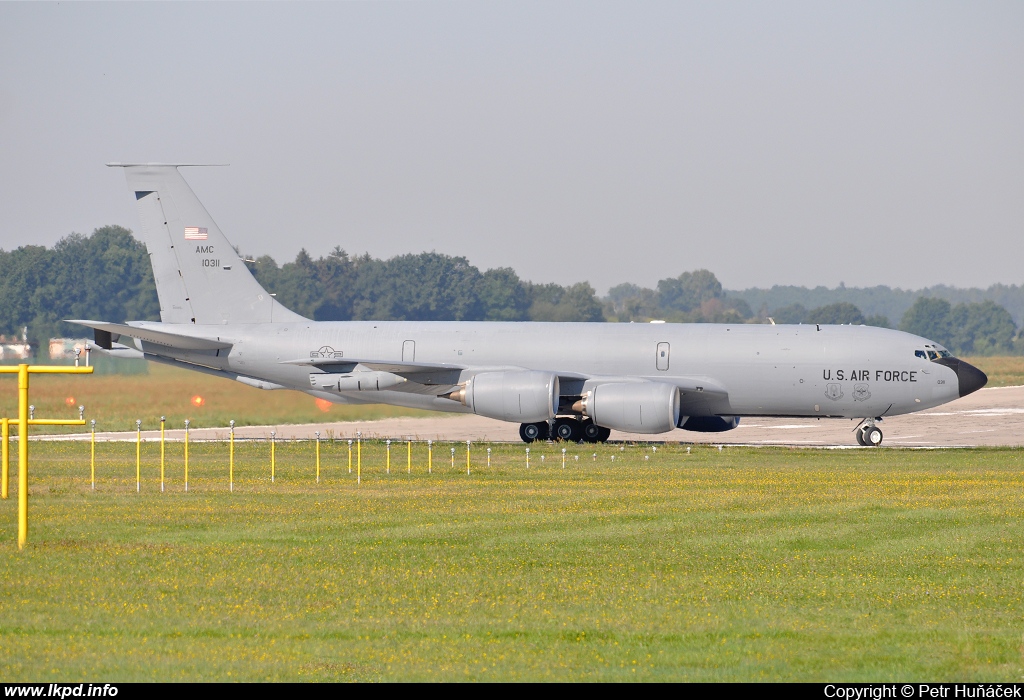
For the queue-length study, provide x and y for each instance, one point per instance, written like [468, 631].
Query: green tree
[553, 302]
[984, 328]
[794, 313]
[842, 312]
[716, 311]
[503, 295]
[688, 291]
[103, 276]
[631, 302]
[423, 287]
[334, 276]
[929, 318]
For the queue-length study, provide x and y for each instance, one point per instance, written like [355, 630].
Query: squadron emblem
[834, 392]
[860, 392]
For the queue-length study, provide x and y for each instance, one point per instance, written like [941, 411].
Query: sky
[773, 143]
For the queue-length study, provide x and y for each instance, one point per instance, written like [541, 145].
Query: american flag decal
[194, 233]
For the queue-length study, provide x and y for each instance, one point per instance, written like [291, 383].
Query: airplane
[561, 381]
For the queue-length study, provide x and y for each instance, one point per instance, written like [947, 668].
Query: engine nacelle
[521, 396]
[709, 424]
[355, 381]
[634, 407]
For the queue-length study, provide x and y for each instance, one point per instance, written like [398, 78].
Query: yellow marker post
[5, 478]
[186, 456]
[231, 459]
[488, 457]
[23, 422]
[138, 456]
[527, 457]
[467, 456]
[359, 458]
[453, 458]
[430, 456]
[408, 455]
[318, 456]
[163, 419]
[92, 455]
[388, 447]
[563, 458]
[23, 455]
[349, 456]
[273, 445]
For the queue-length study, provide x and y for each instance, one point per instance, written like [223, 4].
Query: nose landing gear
[868, 434]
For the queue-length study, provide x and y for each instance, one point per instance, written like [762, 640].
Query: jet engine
[635, 407]
[709, 424]
[522, 396]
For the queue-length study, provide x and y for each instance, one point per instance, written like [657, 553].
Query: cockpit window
[932, 355]
[920, 353]
[945, 353]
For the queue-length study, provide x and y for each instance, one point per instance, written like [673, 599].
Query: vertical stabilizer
[199, 277]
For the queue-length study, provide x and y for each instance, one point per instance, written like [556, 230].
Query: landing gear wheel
[605, 434]
[531, 432]
[860, 437]
[872, 436]
[591, 432]
[568, 430]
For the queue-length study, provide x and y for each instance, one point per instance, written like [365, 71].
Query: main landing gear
[564, 429]
[529, 432]
[868, 434]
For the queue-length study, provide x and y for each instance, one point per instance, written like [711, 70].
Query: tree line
[107, 276]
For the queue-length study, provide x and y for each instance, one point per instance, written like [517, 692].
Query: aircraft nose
[970, 378]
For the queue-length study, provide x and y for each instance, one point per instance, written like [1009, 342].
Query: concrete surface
[990, 417]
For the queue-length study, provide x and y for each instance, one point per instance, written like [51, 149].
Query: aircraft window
[920, 353]
[932, 355]
[945, 353]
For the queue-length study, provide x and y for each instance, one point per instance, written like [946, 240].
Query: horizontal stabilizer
[157, 337]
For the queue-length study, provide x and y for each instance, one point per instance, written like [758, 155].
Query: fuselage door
[409, 351]
[662, 357]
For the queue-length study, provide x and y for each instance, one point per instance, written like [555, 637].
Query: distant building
[14, 348]
[64, 348]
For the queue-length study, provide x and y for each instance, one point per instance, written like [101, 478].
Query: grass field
[1001, 371]
[746, 564]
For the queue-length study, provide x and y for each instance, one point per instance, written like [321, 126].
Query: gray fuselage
[575, 378]
[734, 370]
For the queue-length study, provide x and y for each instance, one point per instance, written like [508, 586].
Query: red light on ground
[323, 404]
[70, 401]
[198, 401]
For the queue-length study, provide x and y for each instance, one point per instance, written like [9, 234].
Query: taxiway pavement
[989, 417]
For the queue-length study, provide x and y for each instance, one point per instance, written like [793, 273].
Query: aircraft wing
[696, 385]
[427, 373]
[149, 335]
[347, 364]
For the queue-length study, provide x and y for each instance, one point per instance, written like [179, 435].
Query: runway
[987, 418]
